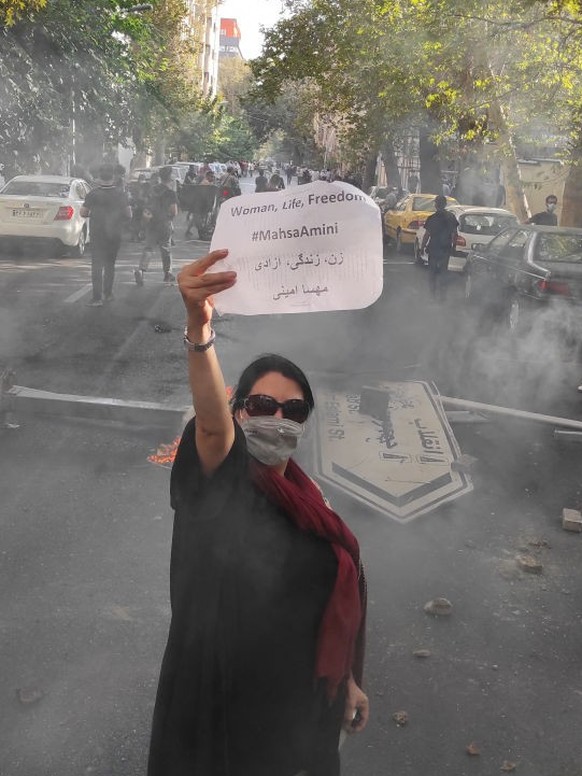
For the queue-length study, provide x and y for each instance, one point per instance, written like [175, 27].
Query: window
[37, 189]
[423, 204]
[486, 224]
[497, 244]
[516, 245]
[558, 247]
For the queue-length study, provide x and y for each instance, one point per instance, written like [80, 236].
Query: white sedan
[477, 226]
[45, 207]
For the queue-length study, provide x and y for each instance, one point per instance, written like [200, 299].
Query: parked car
[178, 173]
[477, 225]
[524, 269]
[402, 222]
[45, 207]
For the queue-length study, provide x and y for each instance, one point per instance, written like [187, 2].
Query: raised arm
[214, 424]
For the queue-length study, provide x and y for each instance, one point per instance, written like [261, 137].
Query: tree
[11, 11]
[78, 78]
[288, 119]
[64, 71]
[234, 82]
[467, 73]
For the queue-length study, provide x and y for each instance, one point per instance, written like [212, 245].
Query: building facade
[230, 39]
[203, 23]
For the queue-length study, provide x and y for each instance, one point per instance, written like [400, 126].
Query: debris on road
[162, 328]
[572, 520]
[401, 718]
[539, 543]
[422, 653]
[508, 767]
[465, 464]
[29, 695]
[472, 749]
[439, 607]
[529, 564]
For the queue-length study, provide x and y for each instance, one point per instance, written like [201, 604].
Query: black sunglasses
[261, 404]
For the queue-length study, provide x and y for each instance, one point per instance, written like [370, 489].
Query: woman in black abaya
[263, 665]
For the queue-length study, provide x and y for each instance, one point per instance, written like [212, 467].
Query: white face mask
[551, 206]
[271, 440]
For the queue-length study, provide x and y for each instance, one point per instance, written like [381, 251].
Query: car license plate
[25, 213]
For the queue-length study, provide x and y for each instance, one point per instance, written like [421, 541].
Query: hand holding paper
[311, 248]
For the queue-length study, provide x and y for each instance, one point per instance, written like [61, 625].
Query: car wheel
[79, 248]
[398, 242]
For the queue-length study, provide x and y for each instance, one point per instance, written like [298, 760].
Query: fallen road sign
[390, 447]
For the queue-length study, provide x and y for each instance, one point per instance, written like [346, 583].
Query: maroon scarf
[340, 641]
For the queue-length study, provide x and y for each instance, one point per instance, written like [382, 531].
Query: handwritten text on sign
[310, 248]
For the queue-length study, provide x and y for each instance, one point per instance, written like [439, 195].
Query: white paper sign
[309, 248]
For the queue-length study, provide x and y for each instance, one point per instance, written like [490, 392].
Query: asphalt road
[86, 527]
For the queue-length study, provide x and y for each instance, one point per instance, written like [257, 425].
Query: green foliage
[386, 68]
[213, 135]
[89, 75]
[287, 117]
[65, 62]
[11, 11]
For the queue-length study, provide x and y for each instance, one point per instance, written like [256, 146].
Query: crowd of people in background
[146, 206]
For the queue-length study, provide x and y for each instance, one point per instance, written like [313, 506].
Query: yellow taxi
[403, 220]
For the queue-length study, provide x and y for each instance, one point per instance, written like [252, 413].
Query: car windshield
[423, 203]
[36, 189]
[487, 224]
[559, 247]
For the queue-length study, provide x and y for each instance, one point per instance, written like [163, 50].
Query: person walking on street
[161, 210]
[191, 175]
[261, 182]
[440, 239]
[229, 184]
[109, 209]
[548, 216]
[264, 659]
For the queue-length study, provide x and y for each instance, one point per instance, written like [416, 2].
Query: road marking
[78, 294]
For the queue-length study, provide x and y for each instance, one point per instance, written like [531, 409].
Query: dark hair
[552, 197]
[440, 202]
[270, 362]
[165, 174]
[106, 172]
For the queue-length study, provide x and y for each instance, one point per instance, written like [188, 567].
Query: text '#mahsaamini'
[264, 235]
